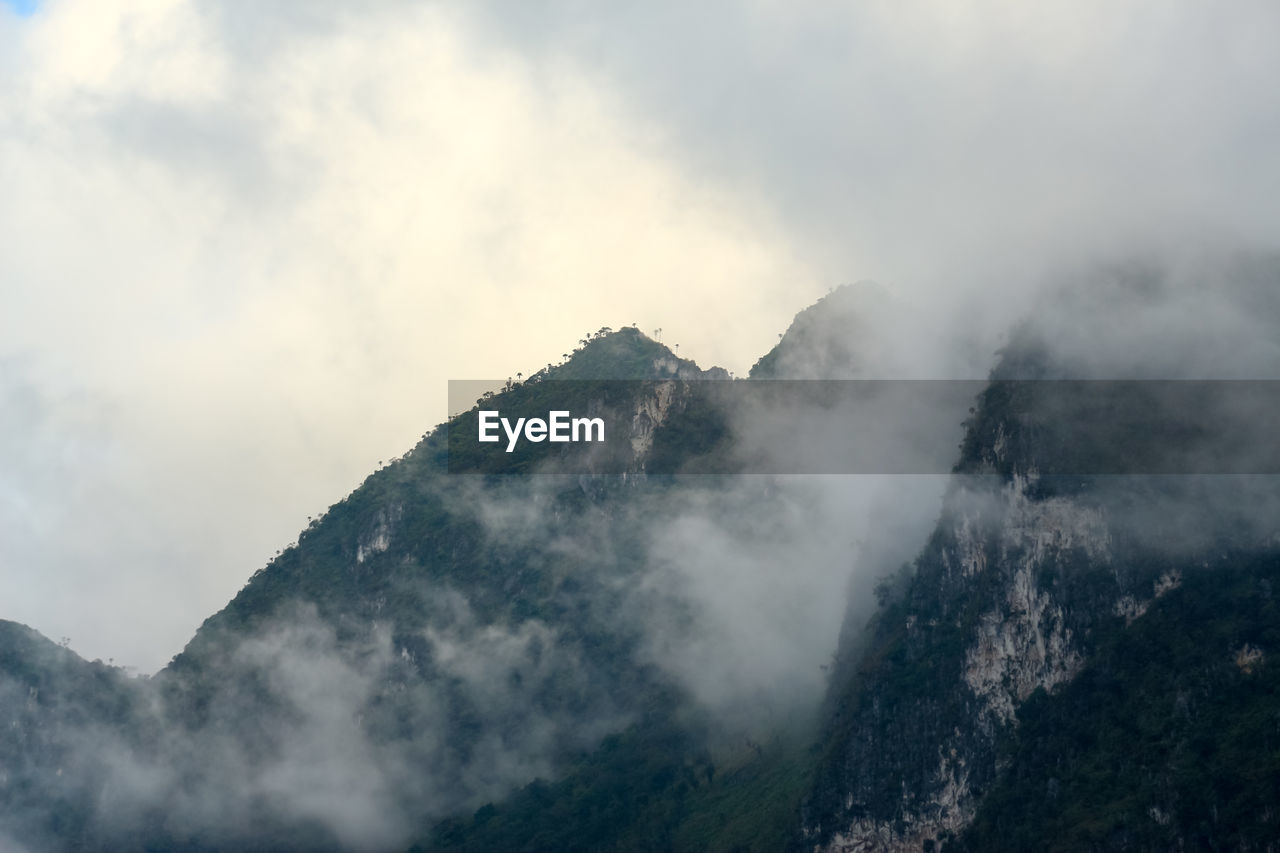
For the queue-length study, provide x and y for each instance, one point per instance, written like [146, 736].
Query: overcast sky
[244, 245]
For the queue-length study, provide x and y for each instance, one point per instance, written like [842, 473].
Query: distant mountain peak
[825, 339]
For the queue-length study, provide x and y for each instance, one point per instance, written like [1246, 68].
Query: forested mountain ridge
[609, 661]
[442, 638]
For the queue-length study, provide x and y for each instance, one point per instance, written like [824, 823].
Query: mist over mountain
[994, 656]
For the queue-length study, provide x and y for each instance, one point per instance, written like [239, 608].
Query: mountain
[1072, 662]
[829, 339]
[56, 707]
[615, 650]
[431, 644]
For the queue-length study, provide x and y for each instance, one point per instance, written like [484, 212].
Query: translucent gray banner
[1049, 427]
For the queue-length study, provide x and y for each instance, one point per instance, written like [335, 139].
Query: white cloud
[263, 236]
[266, 264]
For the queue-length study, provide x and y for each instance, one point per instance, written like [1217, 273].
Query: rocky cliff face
[1025, 578]
[993, 612]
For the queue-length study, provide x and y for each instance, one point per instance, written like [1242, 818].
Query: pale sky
[244, 245]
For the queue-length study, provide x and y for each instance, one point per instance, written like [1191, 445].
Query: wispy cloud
[264, 240]
[262, 237]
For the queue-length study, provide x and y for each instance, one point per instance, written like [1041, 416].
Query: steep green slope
[430, 644]
[486, 618]
[654, 786]
[1012, 658]
[823, 340]
[52, 703]
[1168, 739]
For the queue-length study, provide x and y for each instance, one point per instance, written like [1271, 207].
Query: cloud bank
[243, 247]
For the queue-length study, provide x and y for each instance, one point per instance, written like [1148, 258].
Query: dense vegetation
[538, 573]
[1169, 739]
[653, 787]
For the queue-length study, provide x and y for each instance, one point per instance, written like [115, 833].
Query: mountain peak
[824, 340]
[626, 353]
